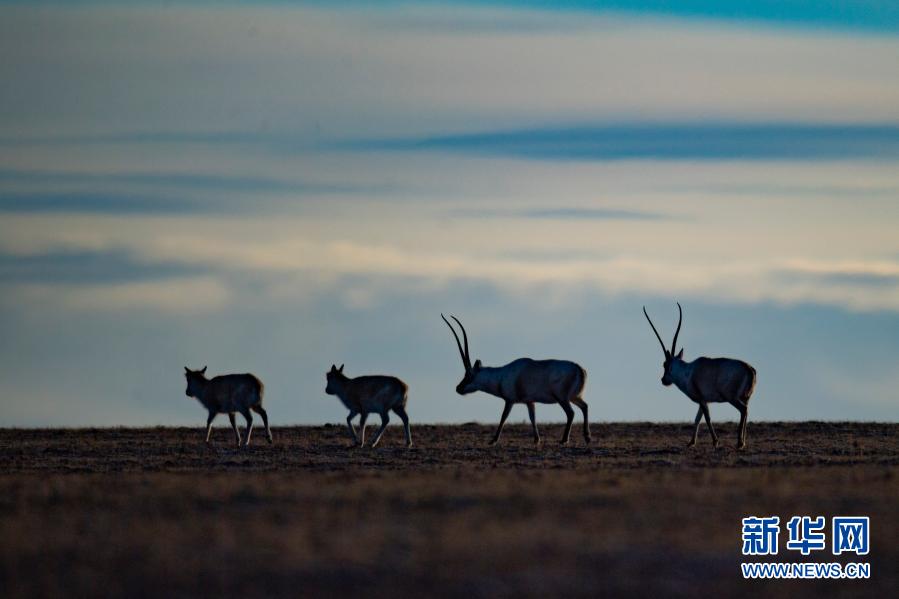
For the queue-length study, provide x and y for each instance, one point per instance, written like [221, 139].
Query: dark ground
[154, 513]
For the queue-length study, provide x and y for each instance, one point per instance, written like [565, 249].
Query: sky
[274, 187]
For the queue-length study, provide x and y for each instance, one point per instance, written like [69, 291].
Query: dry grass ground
[154, 513]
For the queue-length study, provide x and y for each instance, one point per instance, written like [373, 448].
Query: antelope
[525, 381]
[366, 394]
[228, 394]
[708, 380]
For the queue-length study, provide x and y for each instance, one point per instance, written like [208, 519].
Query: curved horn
[662, 343]
[680, 319]
[465, 339]
[458, 343]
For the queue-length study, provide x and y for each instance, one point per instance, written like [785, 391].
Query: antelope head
[466, 385]
[670, 357]
[195, 381]
[334, 375]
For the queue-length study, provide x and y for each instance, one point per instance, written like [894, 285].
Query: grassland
[156, 513]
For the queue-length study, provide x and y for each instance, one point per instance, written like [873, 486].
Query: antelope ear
[680, 354]
[203, 371]
[186, 370]
[477, 365]
[333, 368]
[340, 370]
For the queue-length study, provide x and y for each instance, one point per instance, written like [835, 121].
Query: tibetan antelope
[708, 380]
[366, 394]
[228, 394]
[525, 381]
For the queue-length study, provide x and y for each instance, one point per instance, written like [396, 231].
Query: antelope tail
[579, 383]
[750, 387]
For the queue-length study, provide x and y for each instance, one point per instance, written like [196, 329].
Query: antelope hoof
[691, 443]
[563, 443]
[741, 445]
[716, 443]
[492, 442]
[409, 444]
[536, 440]
[587, 440]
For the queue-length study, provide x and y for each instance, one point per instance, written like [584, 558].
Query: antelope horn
[662, 343]
[462, 352]
[680, 319]
[465, 339]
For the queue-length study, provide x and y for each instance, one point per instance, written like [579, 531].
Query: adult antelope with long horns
[525, 381]
[708, 380]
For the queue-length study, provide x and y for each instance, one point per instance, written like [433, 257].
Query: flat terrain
[154, 512]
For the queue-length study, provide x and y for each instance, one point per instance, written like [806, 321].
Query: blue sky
[271, 187]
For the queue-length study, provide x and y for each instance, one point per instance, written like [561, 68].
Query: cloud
[671, 141]
[87, 267]
[178, 201]
[103, 203]
[179, 180]
[144, 137]
[878, 274]
[286, 266]
[865, 15]
[809, 190]
[185, 295]
[562, 214]
[240, 77]
[873, 15]
[112, 279]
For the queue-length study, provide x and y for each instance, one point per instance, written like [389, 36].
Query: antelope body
[708, 380]
[364, 395]
[228, 394]
[525, 381]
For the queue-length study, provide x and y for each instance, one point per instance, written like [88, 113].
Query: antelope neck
[681, 373]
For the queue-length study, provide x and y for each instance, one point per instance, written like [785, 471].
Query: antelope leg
[248, 416]
[569, 414]
[533, 416]
[741, 433]
[385, 419]
[234, 427]
[708, 421]
[352, 429]
[502, 422]
[696, 422]
[209, 425]
[261, 411]
[362, 419]
[401, 412]
[579, 402]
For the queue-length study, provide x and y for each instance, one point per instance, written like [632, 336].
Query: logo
[805, 535]
[850, 535]
[760, 535]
